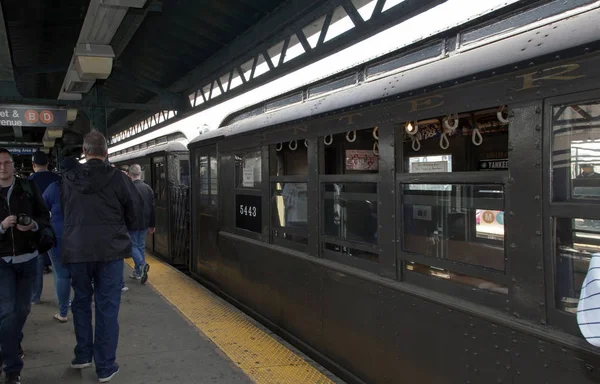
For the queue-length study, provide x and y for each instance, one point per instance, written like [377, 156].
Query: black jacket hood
[90, 177]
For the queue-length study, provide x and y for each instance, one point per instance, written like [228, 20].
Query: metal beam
[128, 29]
[278, 26]
[155, 106]
[8, 87]
[123, 75]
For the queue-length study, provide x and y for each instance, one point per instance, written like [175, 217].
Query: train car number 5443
[248, 212]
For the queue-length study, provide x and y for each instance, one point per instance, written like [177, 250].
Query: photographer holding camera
[23, 218]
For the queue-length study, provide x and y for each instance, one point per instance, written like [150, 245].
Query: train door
[205, 225]
[161, 206]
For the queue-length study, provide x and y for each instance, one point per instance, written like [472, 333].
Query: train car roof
[543, 38]
[172, 146]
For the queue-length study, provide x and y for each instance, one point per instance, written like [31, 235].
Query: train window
[350, 218]
[184, 171]
[457, 277]
[459, 222]
[248, 170]
[288, 169]
[453, 229]
[289, 212]
[207, 179]
[353, 252]
[289, 158]
[214, 178]
[349, 202]
[576, 240]
[203, 178]
[354, 152]
[460, 143]
[576, 151]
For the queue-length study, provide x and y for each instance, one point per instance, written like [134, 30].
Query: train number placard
[248, 212]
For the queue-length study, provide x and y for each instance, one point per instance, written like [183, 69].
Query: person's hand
[25, 228]
[151, 230]
[9, 222]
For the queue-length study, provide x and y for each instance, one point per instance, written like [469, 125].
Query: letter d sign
[46, 117]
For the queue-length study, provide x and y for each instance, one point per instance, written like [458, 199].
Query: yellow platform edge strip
[259, 355]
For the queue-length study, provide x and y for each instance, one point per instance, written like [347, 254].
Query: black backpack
[46, 237]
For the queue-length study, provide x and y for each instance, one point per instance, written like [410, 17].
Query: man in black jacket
[100, 206]
[23, 216]
[138, 235]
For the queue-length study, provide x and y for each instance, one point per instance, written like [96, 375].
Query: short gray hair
[135, 170]
[94, 144]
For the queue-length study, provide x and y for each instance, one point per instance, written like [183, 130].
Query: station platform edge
[171, 330]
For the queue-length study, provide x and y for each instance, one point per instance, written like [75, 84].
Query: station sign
[22, 150]
[32, 116]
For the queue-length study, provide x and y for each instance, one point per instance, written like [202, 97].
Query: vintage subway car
[427, 218]
[166, 168]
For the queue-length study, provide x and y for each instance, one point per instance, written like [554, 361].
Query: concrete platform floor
[156, 345]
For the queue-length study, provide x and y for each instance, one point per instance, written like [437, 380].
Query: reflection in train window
[248, 171]
[207, 180]
[214, 178]
[289, 158]
[576, 241]
[473, 141]
[457, 278]
[463, 223]
[576, 151]
[350, 211]
[204, 173]
[289, 211]
[352, 251]
[353, 152]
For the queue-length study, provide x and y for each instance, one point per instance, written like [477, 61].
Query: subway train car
[427, 218]
[166, 168]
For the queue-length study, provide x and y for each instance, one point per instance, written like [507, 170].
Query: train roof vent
[519, 19]
[161, 140]
[332, 85]
[253, 112]
[283, 102]
[406, 60]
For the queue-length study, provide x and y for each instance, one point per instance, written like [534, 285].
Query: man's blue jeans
[138, 249]
[16, 287]
[39, 279]
[62, 279]
[108, 279]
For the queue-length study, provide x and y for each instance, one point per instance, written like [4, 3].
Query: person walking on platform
[62, 277]
[100, 206]
[138, 237]
[23, 216]
[42, 177]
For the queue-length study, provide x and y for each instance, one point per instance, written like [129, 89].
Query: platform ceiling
[155, 46]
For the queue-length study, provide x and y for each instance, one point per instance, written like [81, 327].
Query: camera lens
[23, 219]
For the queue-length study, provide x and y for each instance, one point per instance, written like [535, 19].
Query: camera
[23, 219]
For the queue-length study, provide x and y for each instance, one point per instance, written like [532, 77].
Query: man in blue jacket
[42, 178]
[138, 235]
[101, 205]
